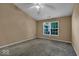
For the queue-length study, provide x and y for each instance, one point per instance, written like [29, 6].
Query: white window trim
[57, 28]
[50, 28]
[43, 29]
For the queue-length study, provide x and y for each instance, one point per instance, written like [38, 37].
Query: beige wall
[75, 29]
[15, 25]
[64, 26]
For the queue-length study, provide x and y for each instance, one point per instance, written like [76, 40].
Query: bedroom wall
[15, 25]
[75, 29]
[64, 26]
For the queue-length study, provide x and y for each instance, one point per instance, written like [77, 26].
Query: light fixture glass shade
[37, 6]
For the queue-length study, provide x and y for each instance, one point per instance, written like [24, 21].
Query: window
[46, 28]
[51, 28]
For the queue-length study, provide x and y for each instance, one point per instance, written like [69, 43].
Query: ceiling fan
[39, 6]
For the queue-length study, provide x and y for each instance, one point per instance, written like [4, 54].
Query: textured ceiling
[47, 10]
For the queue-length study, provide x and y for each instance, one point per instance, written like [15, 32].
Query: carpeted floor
[39, 47]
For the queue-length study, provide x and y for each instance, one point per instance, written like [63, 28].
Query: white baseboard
[56, 40]
[62, 41]
[75, 50]
[29, 39]
[16, 42]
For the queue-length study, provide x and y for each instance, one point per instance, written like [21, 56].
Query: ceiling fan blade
[37, 9]
[28, 5]
[49, 6]
[31, 7]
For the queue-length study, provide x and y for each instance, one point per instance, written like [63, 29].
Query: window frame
[44, 28]
[57, 28]
[50, 28]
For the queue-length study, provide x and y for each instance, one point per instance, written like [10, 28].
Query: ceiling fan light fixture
[37, 6]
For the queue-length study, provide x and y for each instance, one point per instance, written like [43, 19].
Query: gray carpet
[39, 47]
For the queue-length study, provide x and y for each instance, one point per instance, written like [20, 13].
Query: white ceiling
[47, 10]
